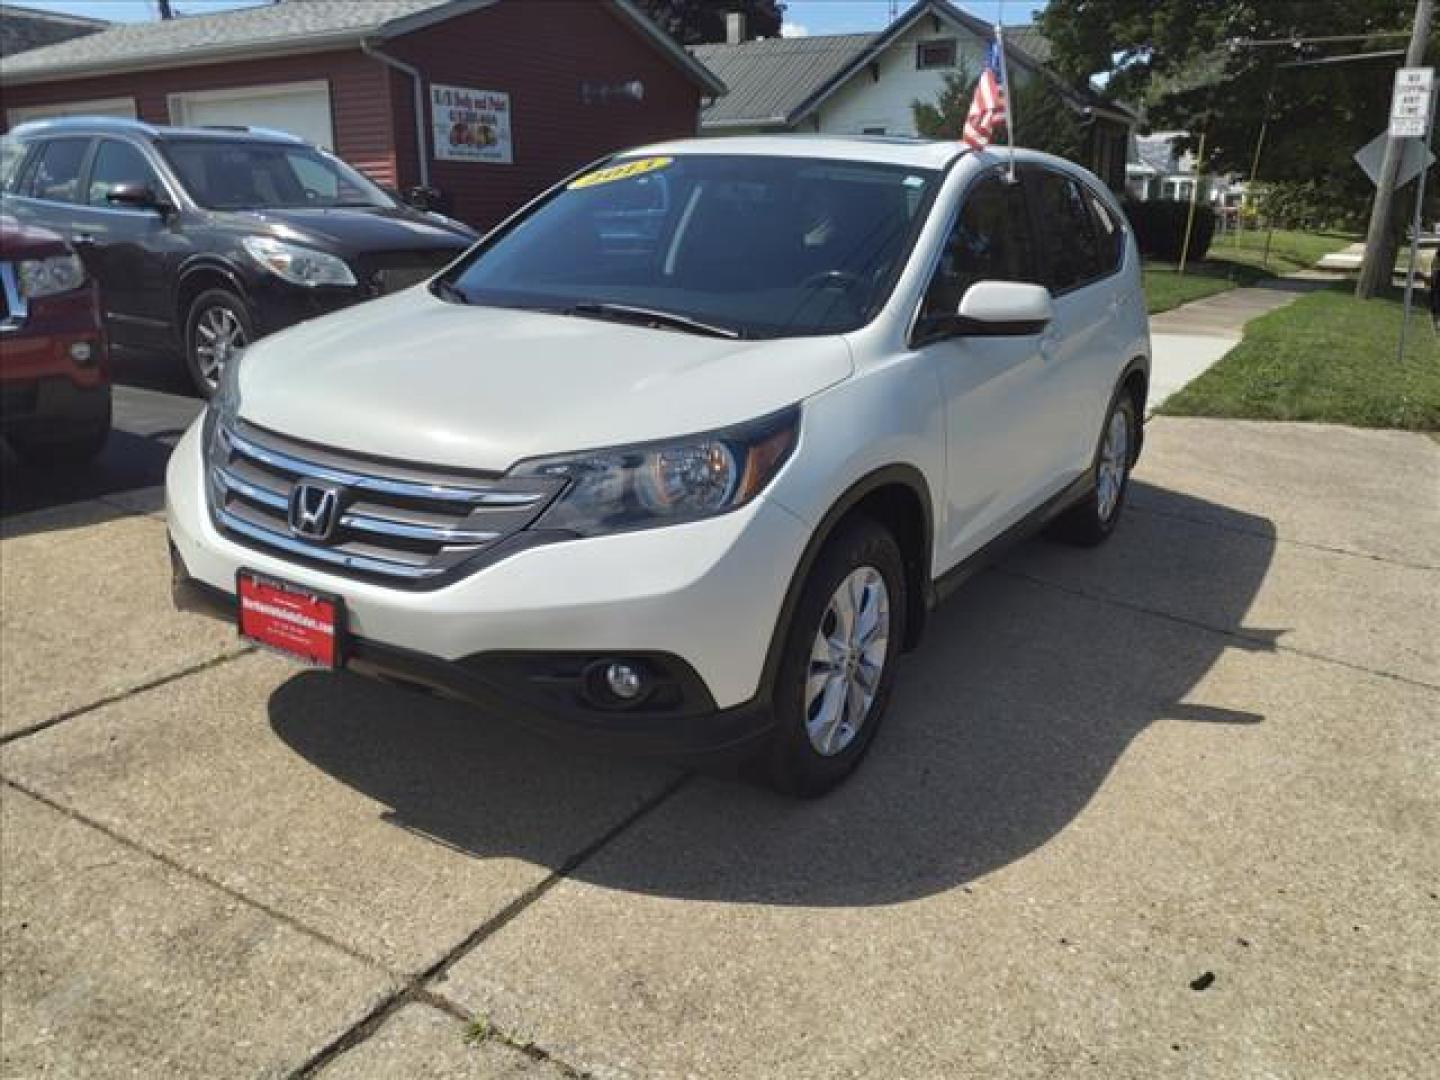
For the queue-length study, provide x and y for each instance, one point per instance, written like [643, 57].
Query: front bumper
[698, 601]
[42, 386]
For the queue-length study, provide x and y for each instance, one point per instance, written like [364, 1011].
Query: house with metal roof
[488, 101]
[868, 84]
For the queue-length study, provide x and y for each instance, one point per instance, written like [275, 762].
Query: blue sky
[814, 16]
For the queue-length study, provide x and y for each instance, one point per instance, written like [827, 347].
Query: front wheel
[839, 662]
[217, 328]
[1093, 518]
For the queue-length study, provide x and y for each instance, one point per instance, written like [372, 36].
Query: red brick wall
[540, 54]
[359, 97]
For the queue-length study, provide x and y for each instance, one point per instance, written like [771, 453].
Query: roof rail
[91, 123]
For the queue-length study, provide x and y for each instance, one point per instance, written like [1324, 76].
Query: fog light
[624, 680]
[82, 352]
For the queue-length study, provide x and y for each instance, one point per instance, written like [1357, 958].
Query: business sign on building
[470, 125]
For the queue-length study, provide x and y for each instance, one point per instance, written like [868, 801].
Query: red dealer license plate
[302, 624]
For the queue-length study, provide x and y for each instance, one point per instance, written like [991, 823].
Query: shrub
[1160, 228]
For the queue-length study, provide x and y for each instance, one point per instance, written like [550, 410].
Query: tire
[217, 324]
[799, 759]
[72, 445]
[1091, 521]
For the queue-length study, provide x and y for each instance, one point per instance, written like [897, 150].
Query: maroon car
[54, 364]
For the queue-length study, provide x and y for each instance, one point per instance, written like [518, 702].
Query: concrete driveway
[1168, 808]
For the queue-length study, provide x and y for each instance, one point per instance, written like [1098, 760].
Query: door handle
[82, 238]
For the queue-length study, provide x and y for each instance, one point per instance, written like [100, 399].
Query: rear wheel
[1092, 520]
[217, 328]
[839, 662]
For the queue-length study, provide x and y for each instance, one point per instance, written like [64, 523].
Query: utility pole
[1379, 264]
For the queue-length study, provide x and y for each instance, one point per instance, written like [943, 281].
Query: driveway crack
[129, 692]
[1192, 519]
[415, 988]
[1253, 642]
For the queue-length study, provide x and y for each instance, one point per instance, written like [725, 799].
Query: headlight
[46, 277]
[298, 265]
[638, 487]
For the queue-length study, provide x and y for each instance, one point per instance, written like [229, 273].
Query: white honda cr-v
[679, 457]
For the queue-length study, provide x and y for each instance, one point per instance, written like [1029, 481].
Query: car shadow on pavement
[129, 461]
[1025, 694]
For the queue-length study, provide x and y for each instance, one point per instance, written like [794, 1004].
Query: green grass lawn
[1289, 250]
[1166, 289]
[1327, 357]
[1237, 260]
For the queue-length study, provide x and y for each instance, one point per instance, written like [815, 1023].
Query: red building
[504, 96]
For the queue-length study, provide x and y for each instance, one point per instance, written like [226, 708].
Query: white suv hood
[417, 379]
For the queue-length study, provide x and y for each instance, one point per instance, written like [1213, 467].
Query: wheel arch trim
[894, 475]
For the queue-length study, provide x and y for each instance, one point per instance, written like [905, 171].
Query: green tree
[1045, 121]
[696, 22]
[1195, 65]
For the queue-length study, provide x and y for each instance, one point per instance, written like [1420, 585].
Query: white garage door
[302, 109]
[103, 107]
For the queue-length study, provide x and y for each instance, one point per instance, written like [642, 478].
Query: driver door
[999, 395]
[129, 249]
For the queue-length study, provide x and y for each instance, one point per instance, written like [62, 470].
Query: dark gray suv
[204, 239]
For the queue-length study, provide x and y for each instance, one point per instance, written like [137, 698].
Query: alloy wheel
[847, 660]
[1114, 463]
[218, 337]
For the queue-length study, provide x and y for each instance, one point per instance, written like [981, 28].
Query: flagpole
[1005, 85]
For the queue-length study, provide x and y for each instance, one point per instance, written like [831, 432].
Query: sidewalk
[1188, 339]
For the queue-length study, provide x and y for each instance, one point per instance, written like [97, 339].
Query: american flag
[987, 109]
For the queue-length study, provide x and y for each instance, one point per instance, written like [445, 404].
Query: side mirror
[423, 198]
[1005, 308]
[136, 196]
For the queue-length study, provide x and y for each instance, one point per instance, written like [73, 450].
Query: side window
[991, 242]
[12, 152]
[1108, 232]
[55, 175]
[1070, 251]
[119, 163]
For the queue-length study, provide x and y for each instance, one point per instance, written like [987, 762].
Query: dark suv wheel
[217, 327]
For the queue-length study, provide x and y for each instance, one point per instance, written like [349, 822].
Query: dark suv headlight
[665, 483]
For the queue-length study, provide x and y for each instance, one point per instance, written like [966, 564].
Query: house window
[939, 53]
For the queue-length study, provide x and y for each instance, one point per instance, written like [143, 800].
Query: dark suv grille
[403, 525]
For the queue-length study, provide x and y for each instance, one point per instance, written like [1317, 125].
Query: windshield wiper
[447, 291]
[641, 316]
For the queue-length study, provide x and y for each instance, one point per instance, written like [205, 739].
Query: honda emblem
[314, 510]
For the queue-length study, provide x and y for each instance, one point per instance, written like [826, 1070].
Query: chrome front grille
[404, 525]
[12, 305]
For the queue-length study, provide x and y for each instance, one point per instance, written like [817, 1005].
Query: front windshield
[762, 246]
[228, 174]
